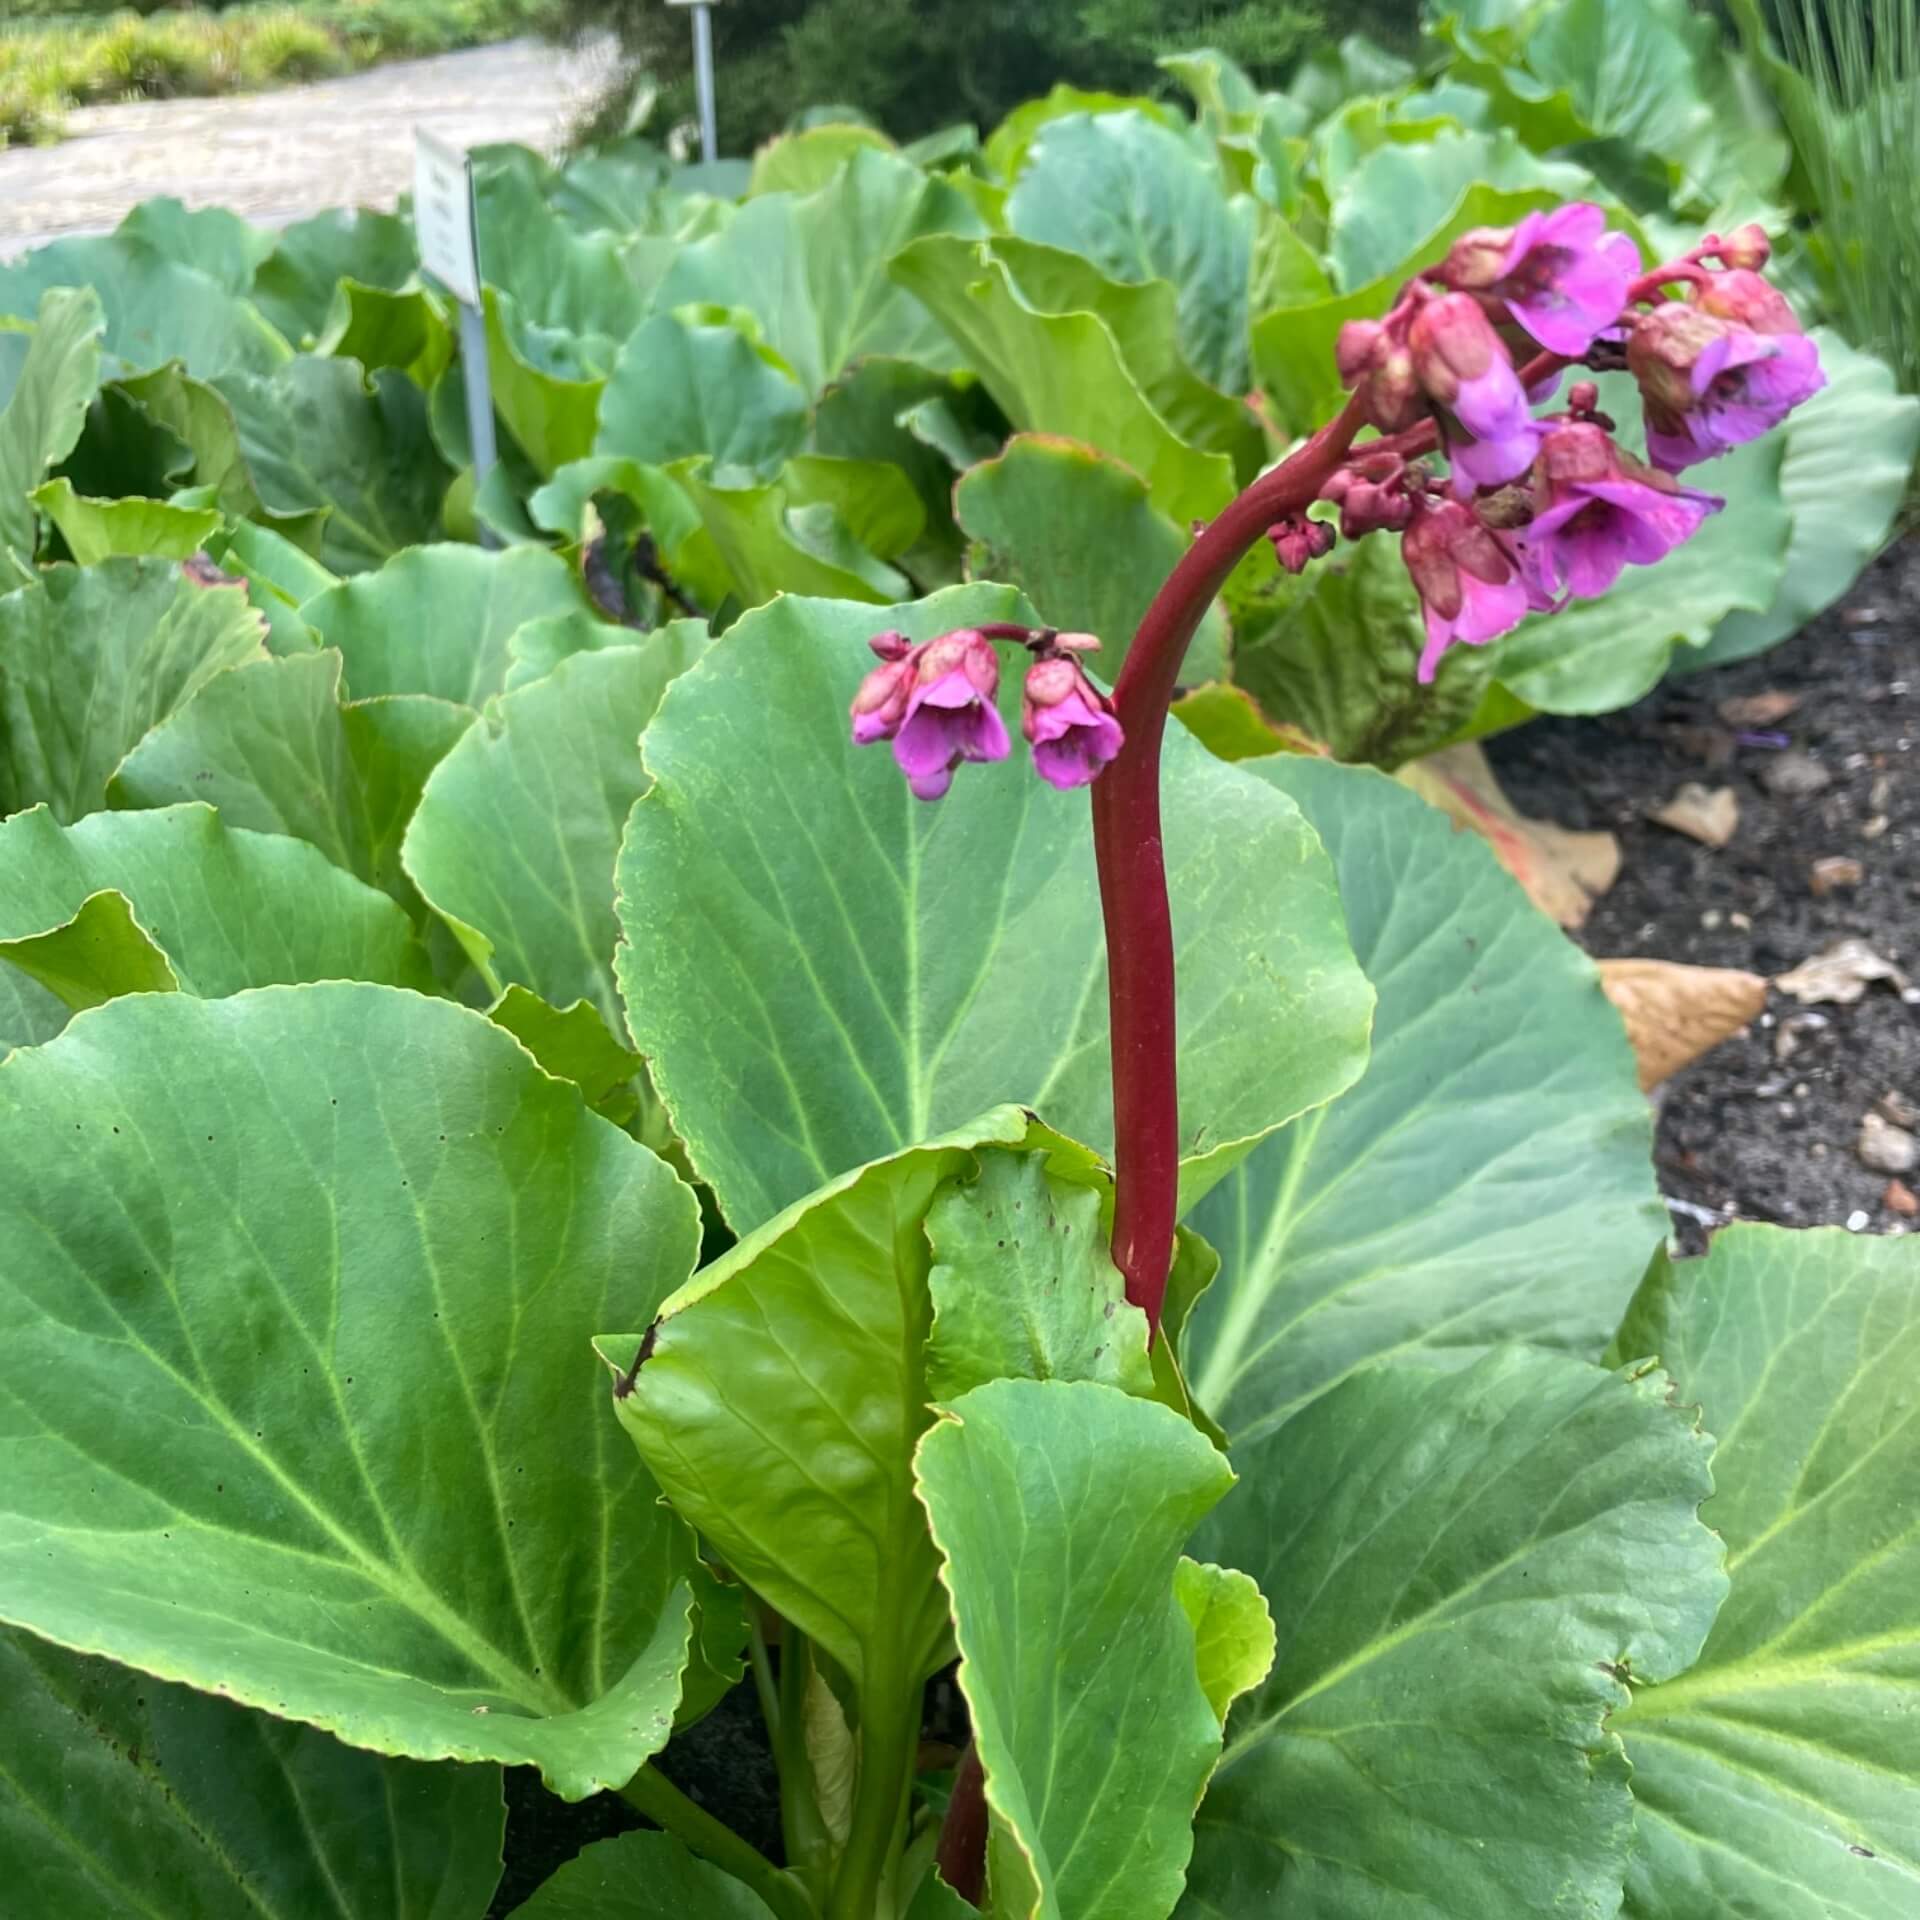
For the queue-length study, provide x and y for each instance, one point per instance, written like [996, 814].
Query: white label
[443, 216]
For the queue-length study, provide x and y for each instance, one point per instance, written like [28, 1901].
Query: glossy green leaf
[44, 415]
[1010, 142]
[682, 387]
[515, 837]
[813, 270]
[1778, 1776]
[96, 530]
[780, 1398]
[804, 162]
[29, 1014]
[1023, 1286]
[437, 620]
[573, 1043]
[273, 747]
[123, 1797]
[90, 658]
[1596, 655]
[773, 539]
[319, 434]
[382, 328]
[213, 241]
[294, 285]
[1069, 1502]
[1462, 1566]
[388, 1503]
[540, 645]
[219, 908]
[1847, 463]
[1490, 1177]
[545, 386]
[821, 968]
[1076, 532]
[1233, 1633]
[1060, 373]
[1336, 650]
[156, 309]
[642, 1876]
[1132, 195]
[562, 281]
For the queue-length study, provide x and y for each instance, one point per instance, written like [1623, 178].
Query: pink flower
[1069, 723]
[1561, 275]
[1597, 509]
[1470, 591]
[935, 702]
[1721, 370]
[1492, 463]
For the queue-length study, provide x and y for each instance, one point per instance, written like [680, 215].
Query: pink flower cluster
[937, 703]
[1540, 510]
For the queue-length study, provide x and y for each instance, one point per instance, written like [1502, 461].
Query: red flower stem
[1133, 875]
[961, 1854]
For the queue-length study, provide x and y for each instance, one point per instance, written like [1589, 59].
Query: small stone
[1886, 1148]
[1794, 775]
[1858, 1220]
[1900, 1198]
[1874, 828]
[1834, 870]
[1710, 815]
[1898, 1111]
[1741, 921]
[1818, 1149]
[1758, 709]
[1712, 918]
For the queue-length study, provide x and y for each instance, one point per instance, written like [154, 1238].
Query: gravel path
[280, 156]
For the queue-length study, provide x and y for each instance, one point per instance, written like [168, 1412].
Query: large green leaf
[379, 328]
[1022, 1283]
[212, 240]
[821, 968]
[305, 1416]
[437, 620]
[1335, 652]
[1077, 534]
[1596, 655]
[1779, 1776]
[294, 285]
[29, 1014]
[221, 909]
[156, 309]
[546, 385]
[317, 434]
[44, 415]
[813, 271]
[96, 530]
[1462, 1567]
[1060, 372]
[1489, 1179]
[779, 1398]
[683, 387]
[642, 1876]
[273, 747]
[516, 834]
[125, 1798]
[90, 658]
[1848, 461]
[562, 281]
[1069, 1502]
[1134, 197]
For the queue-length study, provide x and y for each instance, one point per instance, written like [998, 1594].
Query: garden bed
[1765, 1126]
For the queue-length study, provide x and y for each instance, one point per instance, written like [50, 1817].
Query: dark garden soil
[1767, 1126]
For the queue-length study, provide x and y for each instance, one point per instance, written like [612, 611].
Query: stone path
[276, 157]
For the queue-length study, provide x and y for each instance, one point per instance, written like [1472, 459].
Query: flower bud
[1374, 362]
[1746, 246]
[1663, 349]
[1298, 540]
[1469, 589]
[1748, 301]
[1463, 365]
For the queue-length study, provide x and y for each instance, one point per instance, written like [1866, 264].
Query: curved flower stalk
[1534, 510]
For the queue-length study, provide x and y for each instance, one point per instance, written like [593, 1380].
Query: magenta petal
[1592, 559]
[869, 727]
[987, 738]
[1489, 609]
[1674, 452]
[927, 741]
[1492, 463]
[931, 786]
[1491, 405]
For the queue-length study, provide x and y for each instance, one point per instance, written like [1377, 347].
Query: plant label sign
[443, 217]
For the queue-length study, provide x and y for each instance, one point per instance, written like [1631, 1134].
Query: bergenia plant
[1223, 1451]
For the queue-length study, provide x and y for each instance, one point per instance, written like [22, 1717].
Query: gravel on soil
[1768, 1125]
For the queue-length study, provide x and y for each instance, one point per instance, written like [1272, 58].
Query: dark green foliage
[914, 65]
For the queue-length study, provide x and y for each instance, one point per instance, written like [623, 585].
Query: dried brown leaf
[1675, 1013]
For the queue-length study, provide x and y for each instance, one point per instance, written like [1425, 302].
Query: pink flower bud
[1068, 722]
[935, 702]
[880, 704]
[1374, 361]
[1463, 365]
[1743, 297]
[1298, 540]
[1746, 246]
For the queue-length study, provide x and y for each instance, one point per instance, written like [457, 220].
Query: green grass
[48, 68]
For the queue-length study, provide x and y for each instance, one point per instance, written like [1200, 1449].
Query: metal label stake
[703, 75]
